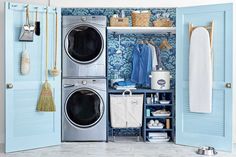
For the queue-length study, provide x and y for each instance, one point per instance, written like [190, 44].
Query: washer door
[84, 44]
[84, 108]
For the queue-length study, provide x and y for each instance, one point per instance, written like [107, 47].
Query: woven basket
[140, 19]
[119, 22]
[162, 23]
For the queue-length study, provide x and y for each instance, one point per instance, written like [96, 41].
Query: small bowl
[164, 101]
[208, 151]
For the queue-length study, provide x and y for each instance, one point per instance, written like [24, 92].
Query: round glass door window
[85, 44]
[84, 108]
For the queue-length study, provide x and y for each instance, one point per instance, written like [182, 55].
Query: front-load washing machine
[84, 46]
[84, 115]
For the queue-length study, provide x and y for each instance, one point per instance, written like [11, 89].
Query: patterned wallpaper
[122, 63]
[110, 11]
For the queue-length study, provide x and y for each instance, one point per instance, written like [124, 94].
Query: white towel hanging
[200, 71]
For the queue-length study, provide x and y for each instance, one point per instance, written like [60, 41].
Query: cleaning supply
[37, 25]
[200, 71]
[55, 72]
[27, 31]
[46, 102]
[25, 62]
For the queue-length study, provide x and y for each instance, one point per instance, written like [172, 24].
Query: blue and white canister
[160, 79]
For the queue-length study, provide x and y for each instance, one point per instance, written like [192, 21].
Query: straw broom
[46, 102]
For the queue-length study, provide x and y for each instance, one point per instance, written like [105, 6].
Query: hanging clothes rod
[32, 8]
[210, 28]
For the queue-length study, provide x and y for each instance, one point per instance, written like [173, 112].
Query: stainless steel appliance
[84, 46]
[84, 114]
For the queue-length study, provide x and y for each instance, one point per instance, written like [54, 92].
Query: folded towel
[124, 88]
[200, 72]
[124, 83]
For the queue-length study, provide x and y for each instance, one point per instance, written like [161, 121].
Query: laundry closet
[109, 62]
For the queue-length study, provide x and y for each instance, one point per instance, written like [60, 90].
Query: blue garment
[158, 58]
[142, 65]
[136, 63]
[124, 83]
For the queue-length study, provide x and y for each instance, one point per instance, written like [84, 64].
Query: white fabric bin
[126, 110]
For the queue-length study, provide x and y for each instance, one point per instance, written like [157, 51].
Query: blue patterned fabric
[121, 63]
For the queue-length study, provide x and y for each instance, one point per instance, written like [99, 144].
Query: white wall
[93, 3]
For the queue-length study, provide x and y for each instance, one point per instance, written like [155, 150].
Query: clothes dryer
[84, 46]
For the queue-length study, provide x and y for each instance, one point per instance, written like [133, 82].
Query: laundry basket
[126, 110]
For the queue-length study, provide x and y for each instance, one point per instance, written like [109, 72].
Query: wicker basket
[119, 22]
[140, 19]
[162, 23]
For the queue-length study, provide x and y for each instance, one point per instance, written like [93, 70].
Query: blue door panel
[25, 128]
[197, 129]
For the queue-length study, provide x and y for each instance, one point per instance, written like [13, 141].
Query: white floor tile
[120, 148]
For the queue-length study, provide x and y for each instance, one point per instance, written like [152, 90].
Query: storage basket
[140, 19]
[119, 22]
[162, 23]
[126, 110]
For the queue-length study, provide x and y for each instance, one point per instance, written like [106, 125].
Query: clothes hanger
[146, 42]
[140, 42]
[151, 42]
[165, 44]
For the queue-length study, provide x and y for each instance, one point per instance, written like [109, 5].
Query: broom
[46, 102]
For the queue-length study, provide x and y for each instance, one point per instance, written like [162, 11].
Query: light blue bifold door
[25, 128]
[215, 128]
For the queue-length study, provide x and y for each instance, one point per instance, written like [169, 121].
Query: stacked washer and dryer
[84, 115]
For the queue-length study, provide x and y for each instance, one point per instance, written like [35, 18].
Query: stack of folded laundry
[122, 85]
[158, 137]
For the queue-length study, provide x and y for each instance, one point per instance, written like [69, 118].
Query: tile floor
[120, 148]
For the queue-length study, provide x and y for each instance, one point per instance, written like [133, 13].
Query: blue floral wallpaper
[121, 63]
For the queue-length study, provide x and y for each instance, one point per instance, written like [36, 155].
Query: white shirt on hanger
[154, 57]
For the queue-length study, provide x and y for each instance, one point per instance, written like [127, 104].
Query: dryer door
[84, 44]
[84, 108]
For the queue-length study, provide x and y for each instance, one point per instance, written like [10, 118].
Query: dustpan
[27, 31]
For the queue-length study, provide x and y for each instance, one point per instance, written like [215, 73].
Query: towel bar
[209, 28]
